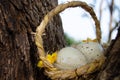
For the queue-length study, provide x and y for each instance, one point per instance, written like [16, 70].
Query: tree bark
[111, 68]
[18, 52]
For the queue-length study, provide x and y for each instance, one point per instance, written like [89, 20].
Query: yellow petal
[40, 64]
[95, 40]
[90, 40]
[54, 56]
[49, 58]
[84, 40]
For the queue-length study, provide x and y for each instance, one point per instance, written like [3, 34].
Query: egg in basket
[70, 62]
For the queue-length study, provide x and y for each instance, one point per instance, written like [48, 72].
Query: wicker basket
[50, 70]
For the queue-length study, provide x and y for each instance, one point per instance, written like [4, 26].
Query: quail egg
[91, 50]
[70, 58]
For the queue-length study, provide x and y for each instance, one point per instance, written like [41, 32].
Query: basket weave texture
[50, 70]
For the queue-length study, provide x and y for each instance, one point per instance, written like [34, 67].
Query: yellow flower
[50, 57]
[90, 40]
[40, 64]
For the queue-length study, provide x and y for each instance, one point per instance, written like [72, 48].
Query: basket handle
[40, 29]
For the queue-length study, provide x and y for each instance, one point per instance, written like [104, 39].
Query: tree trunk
[111, 68]
[18, 52]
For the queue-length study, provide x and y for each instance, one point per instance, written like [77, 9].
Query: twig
[100, 10]
[117, 25]
[111, 19]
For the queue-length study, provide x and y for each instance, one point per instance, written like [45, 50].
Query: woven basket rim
[50, 69]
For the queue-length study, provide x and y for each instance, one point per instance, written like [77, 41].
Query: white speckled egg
[91, 50]
[70, 58]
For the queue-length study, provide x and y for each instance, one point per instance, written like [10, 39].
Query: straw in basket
[50, 70]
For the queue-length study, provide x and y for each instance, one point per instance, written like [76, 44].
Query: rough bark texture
[18, 53]
[111, 68]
